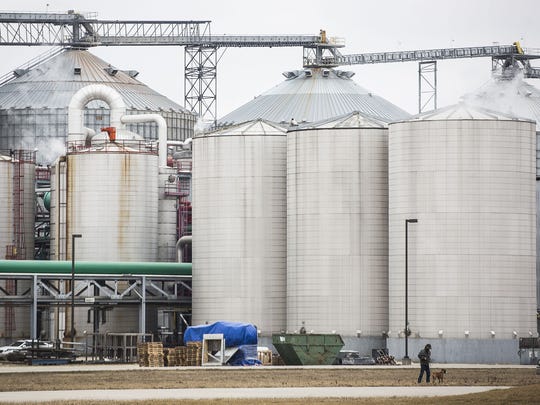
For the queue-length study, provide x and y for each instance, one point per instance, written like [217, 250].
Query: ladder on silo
[18, 206]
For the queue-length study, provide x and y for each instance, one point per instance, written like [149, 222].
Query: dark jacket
[425, 356]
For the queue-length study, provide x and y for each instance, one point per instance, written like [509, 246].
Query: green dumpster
[307, 349]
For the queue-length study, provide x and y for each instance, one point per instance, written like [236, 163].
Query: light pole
[73, 236]
[406, 359]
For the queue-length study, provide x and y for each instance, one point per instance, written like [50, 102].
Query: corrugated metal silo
[112, 201]
[239, 226]
[468, 176]
[337, 226]
[520, 98]
[313, 95]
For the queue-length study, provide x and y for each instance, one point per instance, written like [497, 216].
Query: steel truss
[50, 290]
[427, 86]
[200, 81]
[200, 92]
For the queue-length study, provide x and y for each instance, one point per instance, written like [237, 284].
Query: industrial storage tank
[17, 216]
[108, 193]
[337, 229]
[105, 188]
[239, 226]
[515, 96]
[467, 175]
[34, 106]
[313, 95]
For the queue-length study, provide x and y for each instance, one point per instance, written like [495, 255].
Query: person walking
[425, 358]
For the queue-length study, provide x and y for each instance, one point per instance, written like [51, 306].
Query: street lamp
[73, 236]
[406, 359]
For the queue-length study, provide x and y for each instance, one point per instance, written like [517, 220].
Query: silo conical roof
[354, 119]
[516, 97]
[464, 111]
[255, 127]
[52, 83]
[313, 95]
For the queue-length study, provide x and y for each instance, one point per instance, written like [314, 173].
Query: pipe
[82, 97]
[88, 133]
[184, 240]
[116, 268]
[183, 144]
[162, 132]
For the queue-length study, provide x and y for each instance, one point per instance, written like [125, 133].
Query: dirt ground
[257, 377]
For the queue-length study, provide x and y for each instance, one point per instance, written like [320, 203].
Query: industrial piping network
[77, 131]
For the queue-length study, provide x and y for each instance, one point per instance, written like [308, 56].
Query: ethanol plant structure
[318, 207]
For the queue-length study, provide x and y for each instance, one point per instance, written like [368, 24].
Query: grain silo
[239, 226]
[312, 95]
[337, 227]
[467, 175]
[34, 106]
[17, 216]
[515, 96]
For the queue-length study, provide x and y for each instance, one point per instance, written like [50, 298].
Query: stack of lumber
[194, 354]
[150, 354]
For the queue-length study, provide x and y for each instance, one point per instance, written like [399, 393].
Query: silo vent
[326, 72]
[308, 73]
[132, 73]
[77, 71]
[20, 72]
[344, 74]
[111, 71]
[291, 74]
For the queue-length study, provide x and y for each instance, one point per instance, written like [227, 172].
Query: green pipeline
[116, 268]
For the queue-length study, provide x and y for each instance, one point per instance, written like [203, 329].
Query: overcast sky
[366, 26]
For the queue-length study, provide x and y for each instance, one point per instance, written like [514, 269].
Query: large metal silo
[313, 95]
[108, 193]
[337, 207]
[239, 226]
[468, 176]
[112, 201]
[515, 97]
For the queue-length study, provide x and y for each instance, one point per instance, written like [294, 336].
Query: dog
[439, 375]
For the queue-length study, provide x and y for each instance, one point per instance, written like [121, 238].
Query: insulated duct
[162, 132]
[76, 130]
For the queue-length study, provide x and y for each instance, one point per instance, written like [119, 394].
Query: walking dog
[438, 375]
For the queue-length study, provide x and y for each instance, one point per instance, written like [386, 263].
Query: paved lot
[235, 393]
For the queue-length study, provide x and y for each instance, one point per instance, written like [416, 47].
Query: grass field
[525, 382]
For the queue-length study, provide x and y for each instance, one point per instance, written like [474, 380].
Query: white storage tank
[110, 197]
[239, 226]
[520, 98]
[337, 227]
[468, 176]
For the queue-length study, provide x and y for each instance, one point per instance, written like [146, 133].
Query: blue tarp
[235, 334]
[245, 356]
